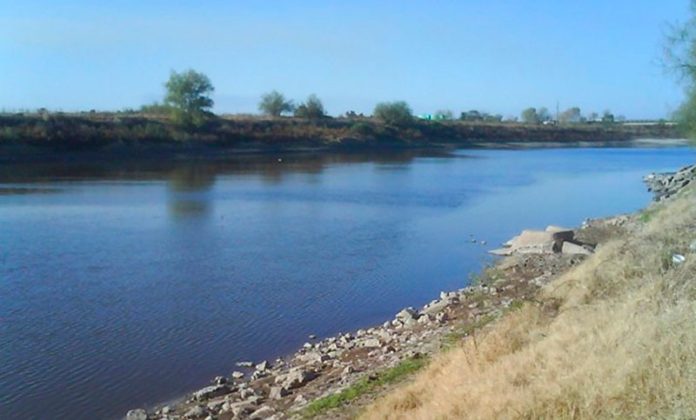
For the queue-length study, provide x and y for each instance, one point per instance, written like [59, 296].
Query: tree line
[188, 101]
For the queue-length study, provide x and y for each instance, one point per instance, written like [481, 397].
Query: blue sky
[493, 55]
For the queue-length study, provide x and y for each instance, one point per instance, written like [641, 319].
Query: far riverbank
[122, 136]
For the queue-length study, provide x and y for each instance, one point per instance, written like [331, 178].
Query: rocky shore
[665, 185]
[291, 387]
[303, 384]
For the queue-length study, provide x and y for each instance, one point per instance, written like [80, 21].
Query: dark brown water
[126, 285]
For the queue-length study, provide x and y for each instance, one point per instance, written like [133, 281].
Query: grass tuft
[364, 386]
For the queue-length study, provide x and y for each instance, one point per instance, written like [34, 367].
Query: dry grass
[616, 338]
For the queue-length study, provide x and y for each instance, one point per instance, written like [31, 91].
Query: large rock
[278, 392]
[296, 378]
[532, 241]
[536, 242]
[370, 343]
[195, 412]
[263, 412]
[435, 307]
[574, 249]
[137, 414]
[239, 408]
[211, 392]
[407, 314]
[314, 357]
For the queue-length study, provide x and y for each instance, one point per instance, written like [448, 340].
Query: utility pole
[558, 112]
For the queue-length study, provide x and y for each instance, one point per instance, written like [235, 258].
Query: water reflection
[200, 174]
[189, 185]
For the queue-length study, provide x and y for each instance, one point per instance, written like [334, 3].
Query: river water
[124, 285]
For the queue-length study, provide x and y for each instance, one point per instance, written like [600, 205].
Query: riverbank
[610, 338]
[337, 376]
[135, 136]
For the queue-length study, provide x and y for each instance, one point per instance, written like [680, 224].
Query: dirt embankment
[44, 136]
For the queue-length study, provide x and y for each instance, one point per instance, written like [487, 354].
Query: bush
[312, 109]
[275, 104]
[394, 113]
[361, 129]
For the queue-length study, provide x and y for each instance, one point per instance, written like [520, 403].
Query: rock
[296, 378]
[196, 412]
[314, 357]
[570, 248]
[237, 374]
[437, 306]
[442, 317]
[278, 392]
[240, 408]
[245, 364]
[258, 374]
[407, 314]
[532, 241]
[312, 336]
[220, 380]
[501, 252]
[300, 400]
[247, 393]
[216, 405]
[263, 412]
[137, 414]
[370, 342]
[307, 346]
[348, 370]
[263, 365]
[166, 409]
[211, 392]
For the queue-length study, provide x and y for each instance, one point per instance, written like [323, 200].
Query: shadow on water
[199, 174]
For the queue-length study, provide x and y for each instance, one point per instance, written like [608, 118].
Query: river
[127, 284]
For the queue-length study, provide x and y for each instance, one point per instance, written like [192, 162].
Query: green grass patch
[647, 214]
[364, 386]
[450, 340]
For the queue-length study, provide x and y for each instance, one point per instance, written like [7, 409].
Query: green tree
[394, 113]
[444, 114]
[312, 109]
[530, 116]
[608, 117]
[275, 104]
[472, 115]
[571, 115]
[680, 58]
[188, 97]
[543, 114]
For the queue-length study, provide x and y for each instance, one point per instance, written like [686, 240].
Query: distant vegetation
[312, 109]
[680, 57]
[394, 113]
[274, 104]
[183, 120]
[188, 97]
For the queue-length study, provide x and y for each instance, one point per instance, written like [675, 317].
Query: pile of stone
[665, 185]
[272, 390]
[553, 240]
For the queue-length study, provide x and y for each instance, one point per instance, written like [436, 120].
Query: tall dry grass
[614, 338]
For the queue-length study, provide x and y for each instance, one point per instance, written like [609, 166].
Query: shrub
[394, 113]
